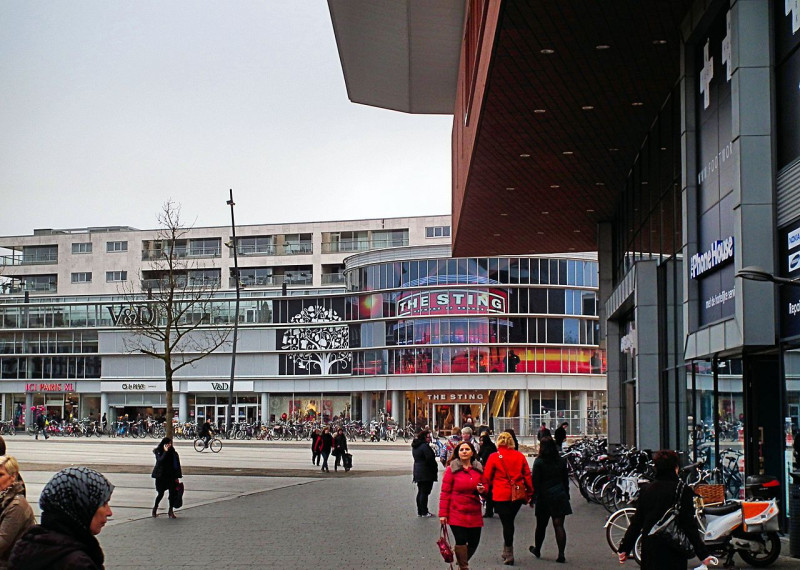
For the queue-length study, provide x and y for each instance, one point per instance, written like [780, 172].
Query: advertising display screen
[789, 240]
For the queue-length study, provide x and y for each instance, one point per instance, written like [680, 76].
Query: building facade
[336, 319]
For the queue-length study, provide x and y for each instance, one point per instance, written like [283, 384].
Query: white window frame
[111, 275]
[75, 278]
[116, 246]
[81, 247]
[437, 231]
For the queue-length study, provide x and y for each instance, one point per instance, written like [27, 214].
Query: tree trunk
[170, 412]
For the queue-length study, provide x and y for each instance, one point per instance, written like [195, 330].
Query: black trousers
[507, 510]
[163, 485]
[471, 536]
[423, 492]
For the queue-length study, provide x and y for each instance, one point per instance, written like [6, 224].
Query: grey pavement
[258, 505]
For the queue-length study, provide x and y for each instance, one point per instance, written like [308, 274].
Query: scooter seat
[722, 509]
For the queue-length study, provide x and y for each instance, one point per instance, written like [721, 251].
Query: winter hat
[77, 492]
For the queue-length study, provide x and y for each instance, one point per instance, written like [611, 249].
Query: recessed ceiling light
[599, 183]
[659, 42]
[524, 155]
[540, 110]
[587, 107]
[555, 186]
[567, 152]
[510, 188]
[645, 182]
[503, 214]
[590, 211]
[602, 46]
[637, 104]
[663, 148]
[576, 231]
[613, 149]
[540, 233]
[547, 51]
[496, 235]
[572, 249]
[545, 213]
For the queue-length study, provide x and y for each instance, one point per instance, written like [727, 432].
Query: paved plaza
[262, 505]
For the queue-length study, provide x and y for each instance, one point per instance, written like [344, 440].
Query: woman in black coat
[166, 472]
[487, 448]
[551, 494]
[425, 470]
[315, 447]
[339, 447]
[654, 501]
[327, 444]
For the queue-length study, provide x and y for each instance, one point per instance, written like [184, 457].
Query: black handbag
[669, 531]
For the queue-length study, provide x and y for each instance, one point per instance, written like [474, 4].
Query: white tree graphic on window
[309, 342]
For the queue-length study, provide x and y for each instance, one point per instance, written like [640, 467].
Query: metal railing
[180, 253]
[347, 246]
[38, 259]
[332, 278]
[295, 248]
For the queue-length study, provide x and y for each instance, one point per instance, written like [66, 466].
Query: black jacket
[425, 467]
[327, 442]
[168, 465]
[340, 444]
[487, 448]
[654, 501]
[57, 544]
[561, 435]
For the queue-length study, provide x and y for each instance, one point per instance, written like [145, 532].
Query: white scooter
[747, 528]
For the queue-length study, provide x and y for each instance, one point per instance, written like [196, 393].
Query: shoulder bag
[444, 546]
[668, 528]
[518, 492]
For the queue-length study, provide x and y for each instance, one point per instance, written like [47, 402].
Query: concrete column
[649, 408]
[609, 337]
[397, 410]
[583, 403]
[264, 407]
[104, 406]
[183, 407]
[524, 412]
[366, 400]
[28, 413]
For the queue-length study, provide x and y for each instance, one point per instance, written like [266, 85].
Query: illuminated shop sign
[451, 302]
[468, 397]
[721, 251]
[222, 386]
[50, 387]
[140, 386]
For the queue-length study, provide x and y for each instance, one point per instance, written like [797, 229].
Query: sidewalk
[342, 523]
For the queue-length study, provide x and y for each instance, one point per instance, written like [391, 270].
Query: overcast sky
[108, 108]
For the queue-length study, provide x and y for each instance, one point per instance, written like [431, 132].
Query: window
[116, 276]
[437, 231]
[83, 277]
[82, 247]
[115, 246]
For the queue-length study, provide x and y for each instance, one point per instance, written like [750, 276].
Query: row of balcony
[39, 259]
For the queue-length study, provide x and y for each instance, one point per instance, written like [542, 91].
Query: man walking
[40, 423]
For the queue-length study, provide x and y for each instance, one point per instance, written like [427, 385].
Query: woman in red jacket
[460, 503]
[505, 470]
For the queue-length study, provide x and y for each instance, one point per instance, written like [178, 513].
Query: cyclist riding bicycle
[206, 432]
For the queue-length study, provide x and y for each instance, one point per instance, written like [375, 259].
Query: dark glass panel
[555, 301]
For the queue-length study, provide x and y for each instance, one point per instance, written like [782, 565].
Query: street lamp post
[229, 408]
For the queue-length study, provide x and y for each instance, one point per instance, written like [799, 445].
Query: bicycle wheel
[199, 445]
[215, 445]
[616, 526]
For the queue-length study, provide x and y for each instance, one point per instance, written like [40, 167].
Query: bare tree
[307, 342]
[177, 322]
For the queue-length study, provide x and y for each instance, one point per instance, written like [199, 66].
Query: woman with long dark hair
[551, 494]
[654, 501]
[167, 473]
[460, 503]
[425, 470]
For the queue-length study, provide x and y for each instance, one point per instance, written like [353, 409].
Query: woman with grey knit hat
[74, 506]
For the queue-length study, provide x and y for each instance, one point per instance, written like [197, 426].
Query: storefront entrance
[447, 412]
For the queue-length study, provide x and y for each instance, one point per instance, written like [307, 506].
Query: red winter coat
[504, 465]
[459, 501]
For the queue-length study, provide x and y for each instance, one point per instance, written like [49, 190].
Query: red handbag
[444, 545]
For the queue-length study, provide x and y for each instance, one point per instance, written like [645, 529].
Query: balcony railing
[332, 278]
[180, 283]
[153, 254]
[38, 259]
[349, 246]
[20, 288]
[246, 250]
[271, 281]
[295, 248]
